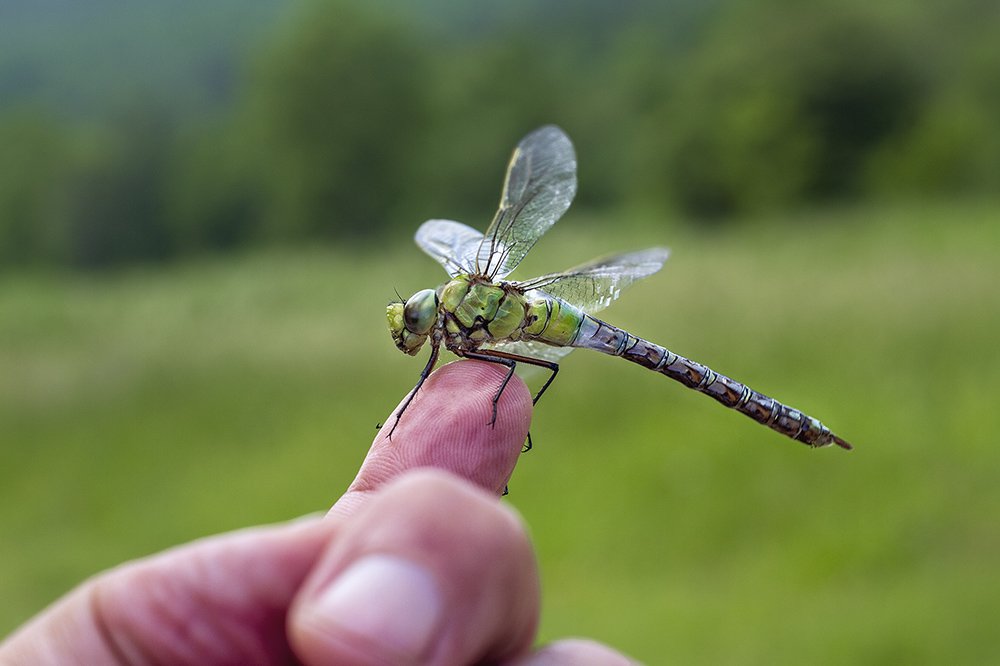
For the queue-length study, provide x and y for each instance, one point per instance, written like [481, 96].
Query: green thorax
[478, 311]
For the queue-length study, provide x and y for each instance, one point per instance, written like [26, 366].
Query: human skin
[417, 563]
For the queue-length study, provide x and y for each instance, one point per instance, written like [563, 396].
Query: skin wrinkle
[170, 602]
[161, 623]
[107, 637]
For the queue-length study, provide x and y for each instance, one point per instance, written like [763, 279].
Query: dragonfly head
[410, 322]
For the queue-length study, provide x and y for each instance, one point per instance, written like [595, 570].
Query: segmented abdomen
[603, 337]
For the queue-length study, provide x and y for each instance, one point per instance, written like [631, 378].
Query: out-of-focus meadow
[202, 217]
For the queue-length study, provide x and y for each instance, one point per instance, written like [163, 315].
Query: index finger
[447, 426]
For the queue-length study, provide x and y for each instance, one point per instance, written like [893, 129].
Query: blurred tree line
[352, 124]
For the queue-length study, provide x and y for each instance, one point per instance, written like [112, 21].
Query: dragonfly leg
[420, 382]
[554, 367]
[511, 364]
[511, 360]
[494, 357]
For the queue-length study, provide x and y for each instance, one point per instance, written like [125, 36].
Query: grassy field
[147, 408]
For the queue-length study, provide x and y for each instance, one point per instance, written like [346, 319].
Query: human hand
[412, 565]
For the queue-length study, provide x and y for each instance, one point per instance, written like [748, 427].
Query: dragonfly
[480, 314]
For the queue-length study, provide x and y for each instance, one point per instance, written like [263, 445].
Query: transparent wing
[591, 287]
[530, 373]
[531, 349]
[595, 285]
[453, 244]
[540, 184]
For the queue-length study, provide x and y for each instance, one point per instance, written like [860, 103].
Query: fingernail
[383, 602]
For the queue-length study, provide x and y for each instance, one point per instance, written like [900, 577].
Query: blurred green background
[204, 208]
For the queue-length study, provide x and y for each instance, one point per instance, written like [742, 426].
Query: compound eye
[420, 311]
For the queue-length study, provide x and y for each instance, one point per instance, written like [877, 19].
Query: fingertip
[475, 386]
[449, 425]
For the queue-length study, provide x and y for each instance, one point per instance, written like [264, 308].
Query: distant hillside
[585, 20]
[84, 57]
[87, 58]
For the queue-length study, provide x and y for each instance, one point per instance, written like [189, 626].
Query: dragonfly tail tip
[842, 444]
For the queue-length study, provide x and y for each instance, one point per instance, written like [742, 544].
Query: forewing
[453, 244]
[539, 187]
[595, 285]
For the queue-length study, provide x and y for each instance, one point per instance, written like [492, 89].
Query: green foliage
[785, 105]
[478, 98]
[213, 198]
[336, 109]
[953, 148]
[82, 197]
[114, 210]
[32, 172]
[148, 407]
[355, 121]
